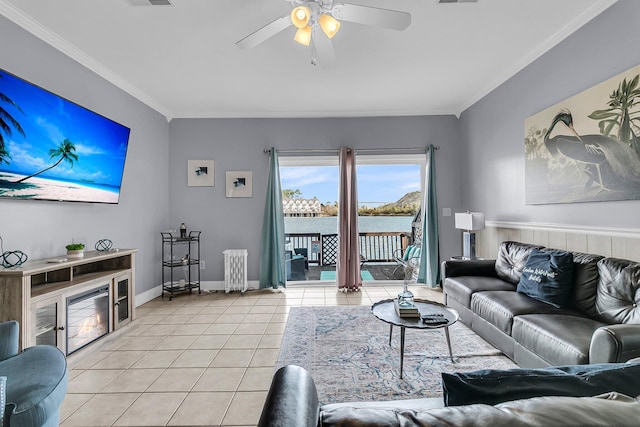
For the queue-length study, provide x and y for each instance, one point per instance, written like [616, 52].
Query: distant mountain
[406, 205]
[409, 199]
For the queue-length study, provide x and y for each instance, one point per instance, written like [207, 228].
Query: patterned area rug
[346, 350]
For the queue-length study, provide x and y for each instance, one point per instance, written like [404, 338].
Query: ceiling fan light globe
[329, 25]
[303, 36]
[300, 16]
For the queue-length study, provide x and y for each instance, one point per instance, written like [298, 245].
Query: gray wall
[238, 144]
[41, 229]
[493, 128]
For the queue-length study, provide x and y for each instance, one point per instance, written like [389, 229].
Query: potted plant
[75, 250]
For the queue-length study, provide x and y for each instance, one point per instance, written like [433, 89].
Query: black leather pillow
[585, 282]
[618, 291]
[512, 256]
[548, 276]
[493, 386]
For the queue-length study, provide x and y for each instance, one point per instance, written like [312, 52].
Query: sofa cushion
[500, 307]
[496, 386]
[547, 276]
[603, 410]
[618, 292]
[557, 338]
[585, 282]
[511, 259]
[461, 288]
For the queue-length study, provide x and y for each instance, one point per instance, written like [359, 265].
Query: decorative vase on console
[405, 298]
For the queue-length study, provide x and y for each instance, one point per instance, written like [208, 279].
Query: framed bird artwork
[587, 147]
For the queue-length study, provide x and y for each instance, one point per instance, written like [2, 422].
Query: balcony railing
[322, 249]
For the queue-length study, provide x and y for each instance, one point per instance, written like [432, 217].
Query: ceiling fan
[318, 21]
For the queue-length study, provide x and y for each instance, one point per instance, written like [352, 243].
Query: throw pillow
[548, 276]
[494, 386]
[408, 252]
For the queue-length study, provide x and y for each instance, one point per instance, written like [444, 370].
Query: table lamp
[469, 221]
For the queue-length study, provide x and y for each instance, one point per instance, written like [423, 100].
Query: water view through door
[388, 198]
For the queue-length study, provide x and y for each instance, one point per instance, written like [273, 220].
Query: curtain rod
[362, 150]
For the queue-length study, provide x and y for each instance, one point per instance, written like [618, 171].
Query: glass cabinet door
[121, 301]
[49, 323]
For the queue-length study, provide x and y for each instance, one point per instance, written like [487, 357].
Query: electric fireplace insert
[87, 317]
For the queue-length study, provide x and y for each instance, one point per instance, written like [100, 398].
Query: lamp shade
[303, 35]
[300, 16]
[329, 25]
[469, 221]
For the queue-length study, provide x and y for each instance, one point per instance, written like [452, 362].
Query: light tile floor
[198, 360]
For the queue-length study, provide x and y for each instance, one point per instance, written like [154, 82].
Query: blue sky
[377, 184]
[47, 121]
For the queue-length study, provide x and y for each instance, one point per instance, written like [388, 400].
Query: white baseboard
[148, 295]
[205, 286]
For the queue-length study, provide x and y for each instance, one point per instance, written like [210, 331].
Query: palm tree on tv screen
[66, 151]
[6, 123]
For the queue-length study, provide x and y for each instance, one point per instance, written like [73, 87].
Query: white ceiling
[183, 62]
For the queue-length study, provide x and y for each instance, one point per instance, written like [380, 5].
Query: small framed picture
[239, 184]
[200, 173]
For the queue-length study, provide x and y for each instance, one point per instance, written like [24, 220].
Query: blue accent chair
[36, 380]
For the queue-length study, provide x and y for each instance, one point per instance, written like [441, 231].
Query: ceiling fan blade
[392, 19]
[323, 48]
[269, 30]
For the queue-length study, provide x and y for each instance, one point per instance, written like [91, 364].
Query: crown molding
[564, 228]
[540, 50]
[308, 114]
[21, 19]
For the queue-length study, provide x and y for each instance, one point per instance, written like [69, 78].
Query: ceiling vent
[457, 1]
[150, 2]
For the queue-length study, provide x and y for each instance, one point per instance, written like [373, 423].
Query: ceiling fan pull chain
[314, 54]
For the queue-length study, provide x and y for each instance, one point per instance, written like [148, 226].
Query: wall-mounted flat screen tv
[54, 149]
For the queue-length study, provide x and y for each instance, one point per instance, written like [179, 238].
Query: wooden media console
[38, 295]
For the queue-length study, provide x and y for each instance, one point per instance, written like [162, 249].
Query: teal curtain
[272, 267]
[429, 273]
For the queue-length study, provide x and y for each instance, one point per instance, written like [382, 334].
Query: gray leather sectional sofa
[600, 324]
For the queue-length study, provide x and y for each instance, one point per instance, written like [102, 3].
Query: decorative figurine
[103, 245]
[183, 231]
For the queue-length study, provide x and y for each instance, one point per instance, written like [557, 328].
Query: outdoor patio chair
[295, 266]
[411, 253]
[305, 253]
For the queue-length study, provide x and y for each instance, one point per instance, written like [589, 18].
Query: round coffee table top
[386, 311]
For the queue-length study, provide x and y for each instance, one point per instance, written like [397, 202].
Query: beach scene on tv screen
[54, 149]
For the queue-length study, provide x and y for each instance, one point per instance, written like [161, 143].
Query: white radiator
[235, 270]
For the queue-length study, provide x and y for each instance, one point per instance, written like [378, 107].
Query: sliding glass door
[310, 203]
[389, 196]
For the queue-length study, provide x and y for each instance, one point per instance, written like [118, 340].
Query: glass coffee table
[386, 311]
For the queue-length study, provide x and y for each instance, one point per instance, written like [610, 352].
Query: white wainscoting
[609, 242]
